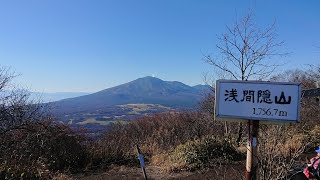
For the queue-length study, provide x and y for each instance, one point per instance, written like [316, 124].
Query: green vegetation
[95, 121]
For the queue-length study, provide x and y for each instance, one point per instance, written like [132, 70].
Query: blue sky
[86, 46]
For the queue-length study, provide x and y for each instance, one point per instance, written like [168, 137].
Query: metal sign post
[141, 160]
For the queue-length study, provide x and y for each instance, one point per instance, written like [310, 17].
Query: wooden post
[141, 160]
[252, 161]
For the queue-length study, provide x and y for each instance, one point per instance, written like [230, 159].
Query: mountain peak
[145, 90]
[149, 78]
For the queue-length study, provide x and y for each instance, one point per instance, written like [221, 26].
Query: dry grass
[155, 135]
[279, 149]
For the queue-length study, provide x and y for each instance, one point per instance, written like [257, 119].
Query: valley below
[98, 120]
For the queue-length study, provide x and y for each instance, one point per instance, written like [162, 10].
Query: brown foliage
[279, 149]
[206, 152]
[31, 145]
[39, 149]
[156, 134]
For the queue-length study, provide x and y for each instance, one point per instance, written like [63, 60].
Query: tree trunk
[239, 134]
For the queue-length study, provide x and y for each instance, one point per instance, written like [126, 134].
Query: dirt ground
[153, 172]
[221, 172]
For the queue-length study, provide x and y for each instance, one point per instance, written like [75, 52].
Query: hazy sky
[90, 45]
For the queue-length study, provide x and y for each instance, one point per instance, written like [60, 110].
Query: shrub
[279, 149]
[37, 150]
[155, 135]
[113, 148]
[313, 138]
[202, 153]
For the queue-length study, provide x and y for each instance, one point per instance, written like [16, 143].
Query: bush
[313, 138]
[279, 150]
[202, 153]
[113, 148]
[155, 135]
[37, 150]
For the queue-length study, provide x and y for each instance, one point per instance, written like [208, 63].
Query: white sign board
[258, 100]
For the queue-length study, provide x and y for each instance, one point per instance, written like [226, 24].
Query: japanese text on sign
[261, 97]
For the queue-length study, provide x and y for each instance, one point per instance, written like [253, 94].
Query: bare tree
[16, 107]
[314, 72]
[307, 78]
[245, 51]
[32, 144]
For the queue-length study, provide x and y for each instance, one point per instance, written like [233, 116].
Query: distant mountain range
[138, 97]
[147, 90]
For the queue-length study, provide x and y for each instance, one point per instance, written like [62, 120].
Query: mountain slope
[147, 90]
